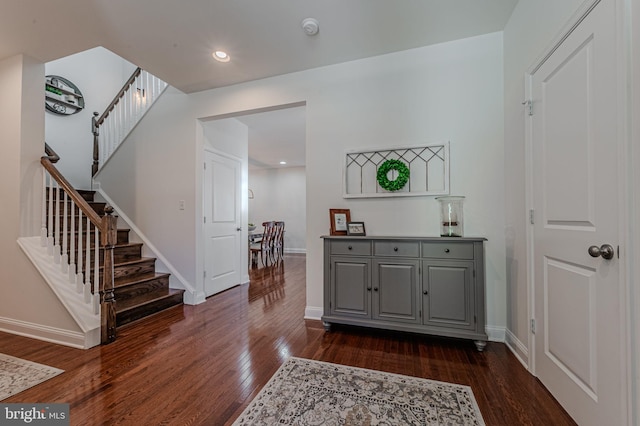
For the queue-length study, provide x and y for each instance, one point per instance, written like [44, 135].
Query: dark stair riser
[125, 272]
[86, 194]
[172, 298]
[128, 271]
[122, 238]
[75, 220]
[126, 292]
[121, 253]
[97, 206]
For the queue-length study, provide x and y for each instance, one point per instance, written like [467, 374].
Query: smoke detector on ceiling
[311, 26]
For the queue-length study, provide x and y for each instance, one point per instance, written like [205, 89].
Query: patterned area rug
[306, 392]
[17, 375]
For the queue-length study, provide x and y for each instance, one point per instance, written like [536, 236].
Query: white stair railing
[74, 235]
[125, 111]
[67, 234]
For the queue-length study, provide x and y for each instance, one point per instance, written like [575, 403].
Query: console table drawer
[396, 248]
[448, 250]
[352, 247]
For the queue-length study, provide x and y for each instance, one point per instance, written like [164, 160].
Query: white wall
[99, 74]
[448, 92]
[280, 194]
[530, 30]
[27, 306]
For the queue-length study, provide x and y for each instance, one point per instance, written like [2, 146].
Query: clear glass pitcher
[451, 217]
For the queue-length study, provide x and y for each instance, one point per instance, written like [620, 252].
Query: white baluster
[43, 228]
[87, 271]
[96, 272]
[120, 125]
[79, 275]
[64, 259]
[52, 184]
[56, 226]
[144, 83]
[72, 242]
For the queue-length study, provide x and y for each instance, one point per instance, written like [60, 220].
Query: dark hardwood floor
[202, 365]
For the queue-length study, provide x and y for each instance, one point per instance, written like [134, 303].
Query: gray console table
[429, 285]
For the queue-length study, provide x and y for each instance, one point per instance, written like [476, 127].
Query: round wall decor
[399, 182]
[62, 96]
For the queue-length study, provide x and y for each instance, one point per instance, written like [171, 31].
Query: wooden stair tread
[134, 261]
[150, 297]
[139, 279]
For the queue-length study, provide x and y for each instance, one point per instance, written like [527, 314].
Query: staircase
[140, 291]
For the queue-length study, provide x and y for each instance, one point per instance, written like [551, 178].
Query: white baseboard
[74, 339]
[518, 348]
[496, 334]
[313, 313]
[295, 251]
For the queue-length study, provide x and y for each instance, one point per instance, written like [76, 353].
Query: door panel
[395, 287]
[571, 288]
[578, 342]
[222, 222]
[351, 291]
[450, 293]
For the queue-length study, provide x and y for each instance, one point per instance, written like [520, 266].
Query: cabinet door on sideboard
[351, 287]
[448, 294]
[395, 290]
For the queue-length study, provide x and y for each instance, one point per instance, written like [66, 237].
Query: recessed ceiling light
[283, 162]
[221, 56]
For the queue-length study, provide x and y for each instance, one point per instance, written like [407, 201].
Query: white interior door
[578, 313]
[222, 222]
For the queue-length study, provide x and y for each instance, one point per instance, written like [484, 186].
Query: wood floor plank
[202, 365]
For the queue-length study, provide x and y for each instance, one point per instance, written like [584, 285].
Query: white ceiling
[174, 39]
[276, 136]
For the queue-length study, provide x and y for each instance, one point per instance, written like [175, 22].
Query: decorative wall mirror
[62, 96]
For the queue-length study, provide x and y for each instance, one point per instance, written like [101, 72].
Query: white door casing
[222, 207]
[579, 342]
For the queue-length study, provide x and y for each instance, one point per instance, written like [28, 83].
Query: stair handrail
[107, 226]
[52, 156]
[128, 107]
[116, 99]
[96, 121]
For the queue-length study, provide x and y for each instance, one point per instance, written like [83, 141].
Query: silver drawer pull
[395, 249]
[350, 248]
[425, 292]
[447, 250]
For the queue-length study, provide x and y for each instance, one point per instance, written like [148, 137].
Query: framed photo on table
[356, 228]
[339, 219]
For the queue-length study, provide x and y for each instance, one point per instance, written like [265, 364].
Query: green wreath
[399, 182]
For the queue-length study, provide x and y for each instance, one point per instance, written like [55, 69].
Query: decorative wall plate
[62, 96]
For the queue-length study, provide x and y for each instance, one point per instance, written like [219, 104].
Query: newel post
[96, 147]
[107, 296]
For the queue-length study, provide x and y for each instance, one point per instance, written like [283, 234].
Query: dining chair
[278, 241]
[264, 248]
